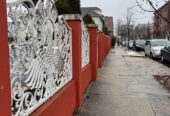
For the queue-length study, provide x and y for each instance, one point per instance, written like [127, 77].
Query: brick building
[109, 25]
[161, 27]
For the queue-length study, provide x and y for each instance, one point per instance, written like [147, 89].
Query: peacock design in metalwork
[40, 52]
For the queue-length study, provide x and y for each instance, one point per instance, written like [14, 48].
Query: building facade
[144, 31]
[109, 25]
[96, 14]
[161, 26]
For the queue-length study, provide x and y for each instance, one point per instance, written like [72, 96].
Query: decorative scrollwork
[40, 50]
[85, 46]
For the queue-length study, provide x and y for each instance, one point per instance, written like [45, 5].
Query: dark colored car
[138, 45]
[165, 53]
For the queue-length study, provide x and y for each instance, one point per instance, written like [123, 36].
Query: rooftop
[90, 11]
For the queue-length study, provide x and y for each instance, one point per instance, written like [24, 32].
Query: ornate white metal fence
[85, 46]
[40, 47]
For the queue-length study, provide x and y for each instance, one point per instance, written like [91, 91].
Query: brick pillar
[92, 28]
[5, 94]
[99, 50]
[74, 21]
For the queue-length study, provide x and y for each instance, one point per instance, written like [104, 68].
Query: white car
[153, 47]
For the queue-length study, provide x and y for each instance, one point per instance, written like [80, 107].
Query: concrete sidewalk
[126, 87]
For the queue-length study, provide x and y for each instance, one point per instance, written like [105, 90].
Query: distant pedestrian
[118, 42]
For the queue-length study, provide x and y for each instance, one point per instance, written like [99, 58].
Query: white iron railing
[40, 50]
[85, 46]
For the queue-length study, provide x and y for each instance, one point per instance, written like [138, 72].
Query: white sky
[10, 1]
[118, 9]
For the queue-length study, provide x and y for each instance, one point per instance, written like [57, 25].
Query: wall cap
[72, 17]
[91, 25]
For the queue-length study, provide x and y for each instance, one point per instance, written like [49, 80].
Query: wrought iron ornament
[85, 46]
[40, 47]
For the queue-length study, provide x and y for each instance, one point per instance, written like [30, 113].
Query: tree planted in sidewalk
[63, 7]
[68, 6]
[88, 19]
[113, 40]
[75, 6]
[105, 30]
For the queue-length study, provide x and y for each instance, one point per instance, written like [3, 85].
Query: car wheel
[162, 58]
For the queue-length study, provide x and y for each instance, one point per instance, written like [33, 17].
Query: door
[168, 54]
[164, 52]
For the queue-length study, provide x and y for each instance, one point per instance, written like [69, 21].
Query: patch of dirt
[164, 81]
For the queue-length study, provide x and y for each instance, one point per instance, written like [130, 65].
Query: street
[126, 87]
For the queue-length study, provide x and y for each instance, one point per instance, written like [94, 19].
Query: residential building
[161, 26]
[144, 31]
[109, 25]
[96, 14]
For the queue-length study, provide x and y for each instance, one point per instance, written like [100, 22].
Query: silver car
[153, 47]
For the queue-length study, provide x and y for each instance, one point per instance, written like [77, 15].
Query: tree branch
[158, 12]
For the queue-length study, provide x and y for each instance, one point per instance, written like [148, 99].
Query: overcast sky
[118, 9]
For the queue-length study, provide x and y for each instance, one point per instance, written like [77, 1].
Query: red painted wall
[69, 97]
[86, 77]
[93, 51]
[104, 46]
[100, 62]
[5, 94]
[75, 25]
[62, 103]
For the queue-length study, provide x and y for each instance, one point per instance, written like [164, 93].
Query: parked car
[138, 45]
[165, 53]
[153, 47]
[125, 43]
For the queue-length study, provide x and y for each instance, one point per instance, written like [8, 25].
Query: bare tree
[152, 6]
[129, 21]
[118, 30]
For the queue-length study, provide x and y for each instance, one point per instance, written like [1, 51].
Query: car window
[160, 43]
[168, 49]
[140, 42]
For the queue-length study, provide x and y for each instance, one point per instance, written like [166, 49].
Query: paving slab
[126, 87]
